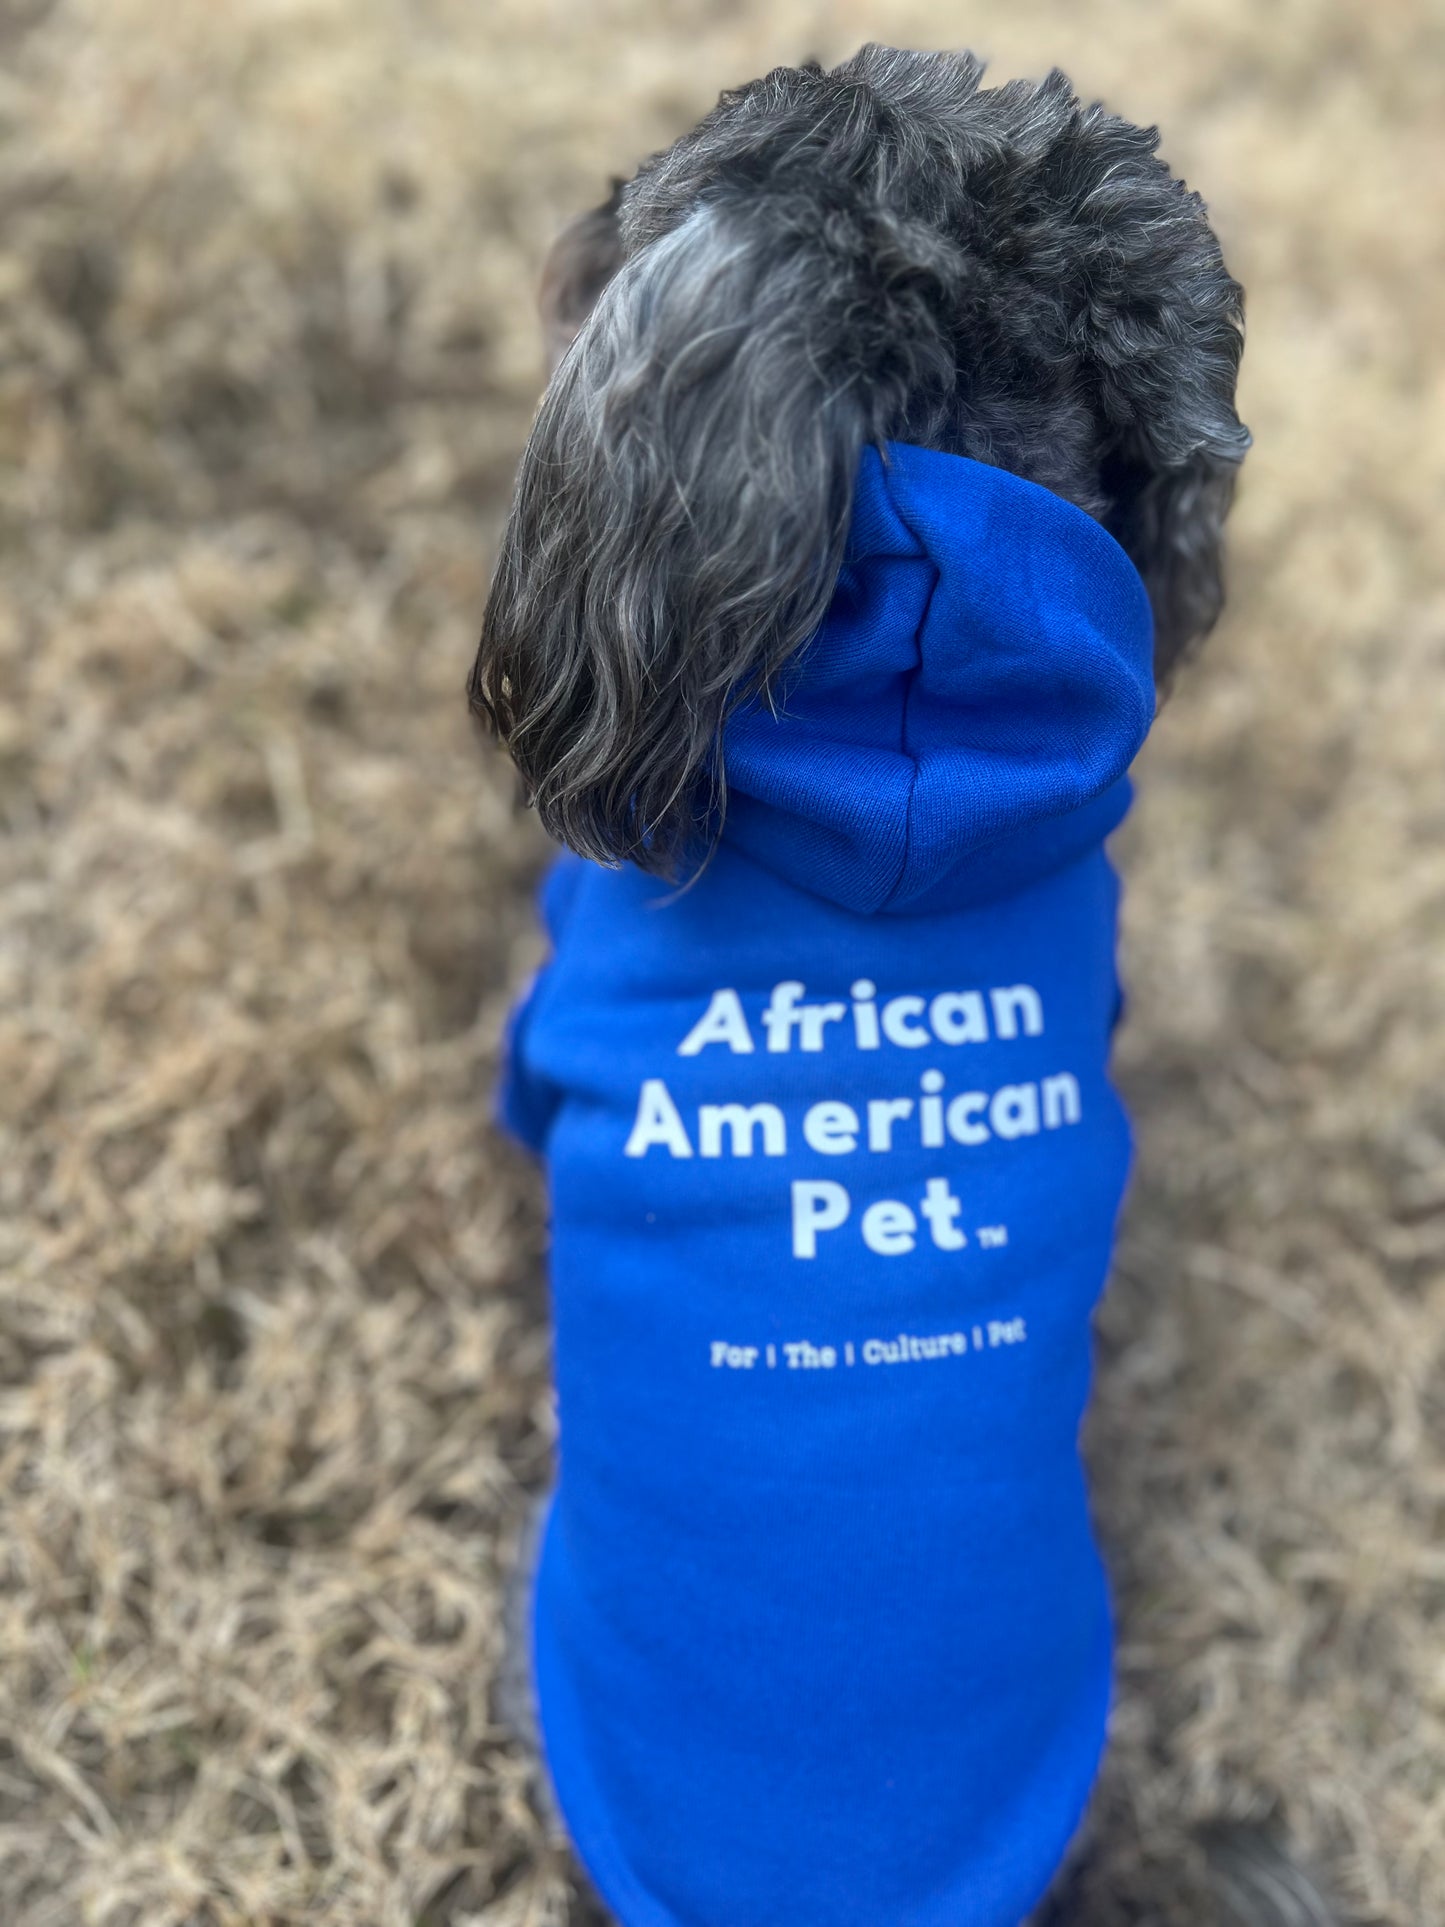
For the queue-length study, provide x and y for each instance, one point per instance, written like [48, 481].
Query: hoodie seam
[909, 687]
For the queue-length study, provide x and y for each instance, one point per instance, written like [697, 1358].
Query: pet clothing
[820, 1634]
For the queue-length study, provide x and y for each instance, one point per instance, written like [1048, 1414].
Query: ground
[273, 1389]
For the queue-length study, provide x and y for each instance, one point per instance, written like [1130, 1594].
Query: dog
[878, 488]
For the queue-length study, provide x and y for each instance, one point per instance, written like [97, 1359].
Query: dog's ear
[1170, 520]
[682, 507]
[1160, 322]
[580, 263]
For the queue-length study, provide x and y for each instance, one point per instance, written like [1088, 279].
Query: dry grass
[272, 1362]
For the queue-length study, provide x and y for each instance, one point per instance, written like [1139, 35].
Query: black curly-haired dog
[882, 252]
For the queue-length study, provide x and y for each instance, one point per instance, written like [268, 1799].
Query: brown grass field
[273, 1386]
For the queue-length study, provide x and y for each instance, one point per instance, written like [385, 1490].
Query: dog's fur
[832, 259]
[884, 251]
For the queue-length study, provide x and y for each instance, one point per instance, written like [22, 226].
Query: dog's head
[884, 251]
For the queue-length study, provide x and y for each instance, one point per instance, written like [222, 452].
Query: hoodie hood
[962, 722]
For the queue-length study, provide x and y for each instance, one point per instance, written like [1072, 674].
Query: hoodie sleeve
[527, 1100]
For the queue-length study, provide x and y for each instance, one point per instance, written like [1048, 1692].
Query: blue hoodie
[820, 1635]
